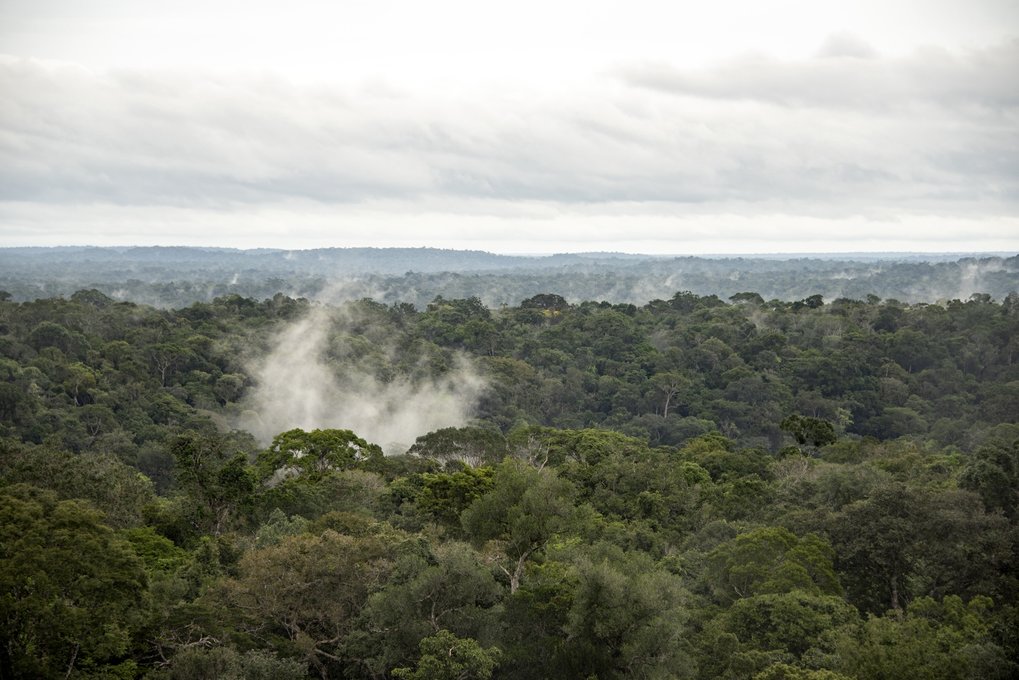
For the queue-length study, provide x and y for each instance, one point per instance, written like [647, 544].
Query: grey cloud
[189, 139]
[846, 45]
[848, 73]
[942, 140]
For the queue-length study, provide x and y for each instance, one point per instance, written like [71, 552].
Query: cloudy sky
[643, 126]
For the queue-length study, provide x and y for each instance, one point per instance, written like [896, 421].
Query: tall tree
[524, 510]
[70, 588]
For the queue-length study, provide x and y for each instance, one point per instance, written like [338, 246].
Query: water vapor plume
[972, 276]
[298, 386]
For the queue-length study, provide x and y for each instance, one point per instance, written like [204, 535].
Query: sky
[645, 126]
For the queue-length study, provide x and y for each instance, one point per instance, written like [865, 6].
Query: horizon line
[540, 254]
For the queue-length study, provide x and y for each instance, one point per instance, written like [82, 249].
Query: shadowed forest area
[701, 486]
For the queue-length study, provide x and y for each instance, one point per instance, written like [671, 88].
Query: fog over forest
[296, 386]
[175, 277]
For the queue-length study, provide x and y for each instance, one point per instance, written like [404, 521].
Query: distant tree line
[177, 277]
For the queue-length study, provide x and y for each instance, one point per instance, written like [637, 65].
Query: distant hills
[319, 260]
[178, 276]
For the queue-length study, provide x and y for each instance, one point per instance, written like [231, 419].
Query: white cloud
[515, 227]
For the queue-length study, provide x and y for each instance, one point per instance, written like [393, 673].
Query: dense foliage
[692, 488]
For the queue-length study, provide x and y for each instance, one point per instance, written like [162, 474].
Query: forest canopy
[700, 486]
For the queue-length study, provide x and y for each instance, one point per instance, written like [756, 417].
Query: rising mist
[297, 387]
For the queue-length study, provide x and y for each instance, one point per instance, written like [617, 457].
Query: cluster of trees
[693, 488]
[678, 368]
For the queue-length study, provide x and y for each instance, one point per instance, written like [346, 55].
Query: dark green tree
[70, 588]
[524, 510]
[218, 481]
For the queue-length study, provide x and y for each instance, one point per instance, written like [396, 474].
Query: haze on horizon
[778, 126]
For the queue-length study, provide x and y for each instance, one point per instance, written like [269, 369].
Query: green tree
[627, 619]
[445, 495]
[808, 430]
[784, 671]
[790, 622]
[772, 560]
[218, 482]
[70, 588]
[444, 656]
[167, 359]
[116, 489]
[993, 472]
[936, 640]
[225, 663]
[471, 446]
[305, 593]
[445, 589]
[524, 510]
[667, 386]
[902, 542]
[313, 454]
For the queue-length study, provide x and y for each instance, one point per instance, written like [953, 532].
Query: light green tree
[444, 656]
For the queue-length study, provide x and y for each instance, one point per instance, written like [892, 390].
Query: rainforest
[696, 486]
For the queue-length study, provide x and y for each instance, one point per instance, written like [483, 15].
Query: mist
[298, 387]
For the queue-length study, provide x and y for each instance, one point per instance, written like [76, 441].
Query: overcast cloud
[853, 144]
